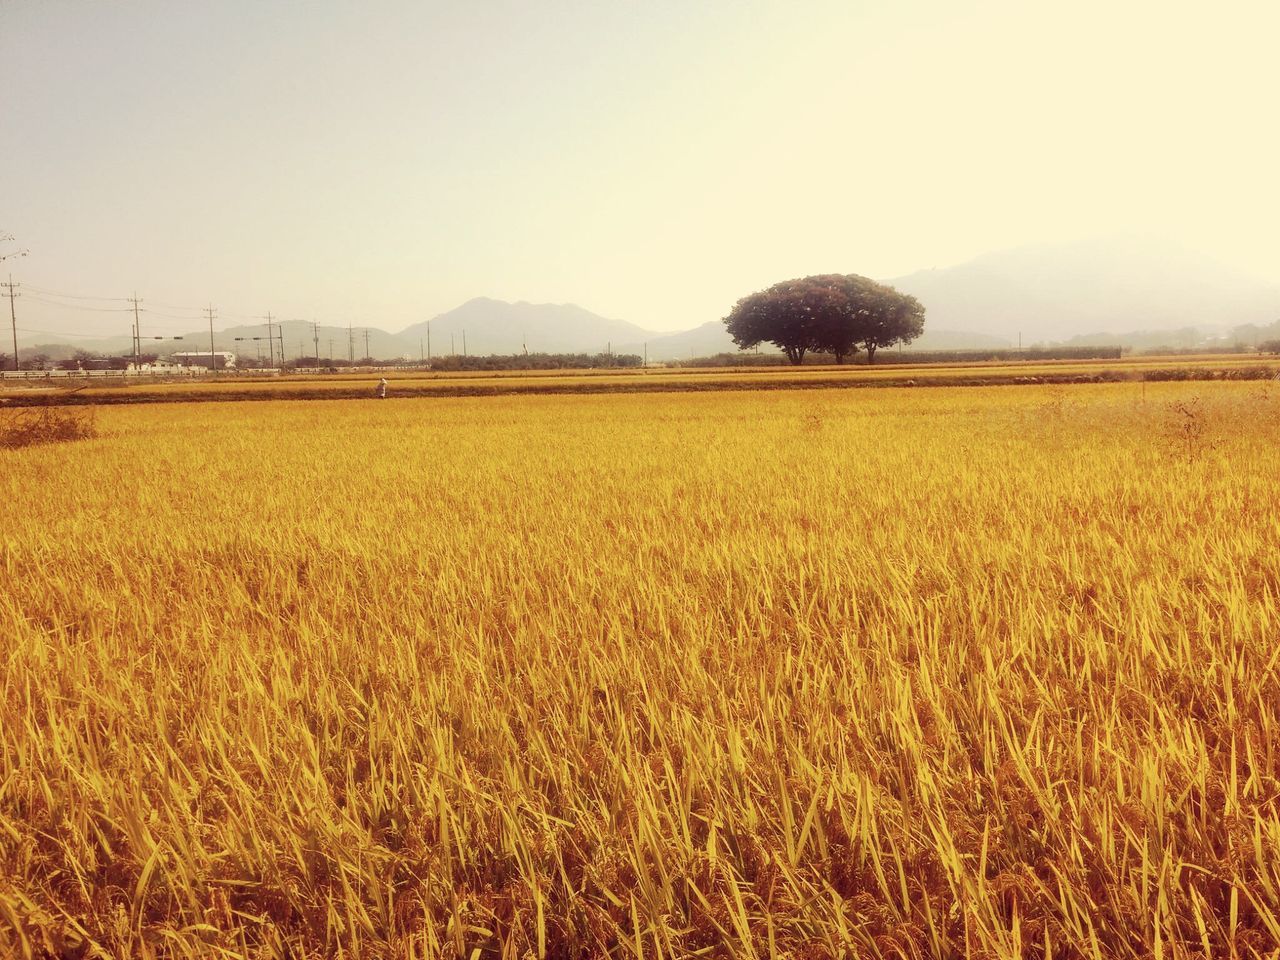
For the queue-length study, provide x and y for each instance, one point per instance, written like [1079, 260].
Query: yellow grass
[891, 673]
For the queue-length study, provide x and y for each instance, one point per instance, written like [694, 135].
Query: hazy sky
[651, 161]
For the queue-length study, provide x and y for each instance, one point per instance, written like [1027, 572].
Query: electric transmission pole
[367, 356]
[271, 346]
[13, 316]
[137, 332]
[213, 363]
[315, 336]
[351, 343]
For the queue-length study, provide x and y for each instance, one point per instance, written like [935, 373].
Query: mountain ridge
[1061, 291]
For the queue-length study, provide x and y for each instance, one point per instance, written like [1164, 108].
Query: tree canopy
[828, 313]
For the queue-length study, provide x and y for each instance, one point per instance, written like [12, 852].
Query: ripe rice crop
[234, 386]
[885, 673]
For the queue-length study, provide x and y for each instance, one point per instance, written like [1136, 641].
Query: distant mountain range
[1103, 292]
[1113, 292]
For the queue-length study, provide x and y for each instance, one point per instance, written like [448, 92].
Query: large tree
[831, 313]
[794, 316]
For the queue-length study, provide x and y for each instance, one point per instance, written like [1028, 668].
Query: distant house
[221, 360]
[95, 363]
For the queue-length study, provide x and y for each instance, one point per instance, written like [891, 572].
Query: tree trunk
[839, 357]
[871, 353]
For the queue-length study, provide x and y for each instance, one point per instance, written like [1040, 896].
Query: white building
[222, 360]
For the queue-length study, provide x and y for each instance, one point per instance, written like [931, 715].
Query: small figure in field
[381, 392]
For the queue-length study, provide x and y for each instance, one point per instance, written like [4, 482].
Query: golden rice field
[233, 385]
[991, 672]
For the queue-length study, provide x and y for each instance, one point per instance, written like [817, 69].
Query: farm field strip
[240, 387]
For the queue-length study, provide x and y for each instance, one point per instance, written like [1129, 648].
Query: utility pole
[331, 351]
[315, 335]
[213, 363]
[464, 344]
[428, 341]
[137, 332]
[271, 346]
[367, 355]
[351, 343]
[646, 353]
[422, 354]
[453, 352]
[13, 316]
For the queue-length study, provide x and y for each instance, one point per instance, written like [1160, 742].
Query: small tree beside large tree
[891, 317]
[827, 313]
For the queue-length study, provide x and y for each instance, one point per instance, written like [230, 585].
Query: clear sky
[652, 161]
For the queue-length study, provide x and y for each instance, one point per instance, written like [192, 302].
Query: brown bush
[29, 426]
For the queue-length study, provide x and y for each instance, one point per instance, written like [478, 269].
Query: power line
[76, 306]
[8, 238]
[73, 296]
[58, 333]
[174, 317]
[176, 306]
[196, 313]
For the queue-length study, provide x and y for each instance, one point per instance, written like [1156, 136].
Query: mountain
[494, 326]
[1055, 292]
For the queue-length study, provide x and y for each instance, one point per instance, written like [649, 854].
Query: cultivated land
[230, 385]
[877, 673]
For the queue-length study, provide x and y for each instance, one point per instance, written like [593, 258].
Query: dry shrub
[29, 426]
